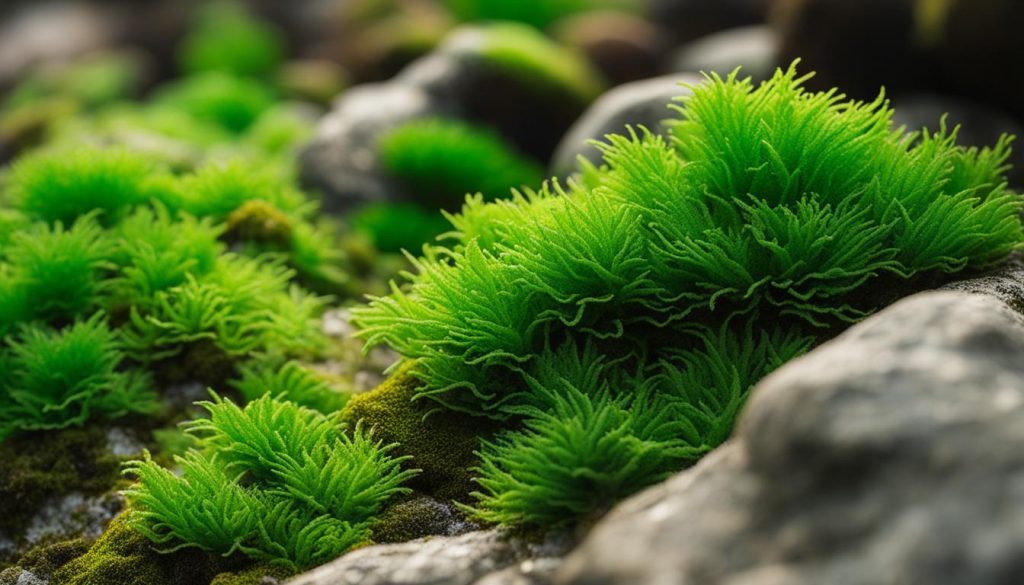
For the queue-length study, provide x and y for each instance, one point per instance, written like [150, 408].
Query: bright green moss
[54, 273]
[227, 38]
[443, 160]
[441, 444]
[281, 483]
[530, 56]
[61, 378]
[217, 190]
[393, 227]
[90, 81]
[538, 13]
[231, 102]
[293, 382]
[62, 184]
[644, 300]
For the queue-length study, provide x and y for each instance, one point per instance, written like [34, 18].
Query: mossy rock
[123, 556]
[442, 444]
[416, 517]
[39, 465]
[252, 576]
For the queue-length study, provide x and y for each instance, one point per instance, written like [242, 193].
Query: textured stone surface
[1006, 283]
[456, 560]
[892, 454]
[754, 49]
[640, 103]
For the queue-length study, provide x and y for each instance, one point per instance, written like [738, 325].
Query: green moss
[231, 102]
[259, 221]
[227, 38]
[252, 576]
[443, 160]
[39, 465]
[393, 227]
[416, 517]
[442, 444]
[43, 561]
[530, 56]
[122, 556]
[538, 13]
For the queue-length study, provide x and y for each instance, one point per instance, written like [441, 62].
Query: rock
[640, 103]
[17, 576]
[623, 47]
[754, 49]
[341, 161]
[417, 517]
[980, 124]
[892, 454]
[452, 560]
[503, 76]
[51, 31]
[1005, 283]
[686, 20]
[857, 46]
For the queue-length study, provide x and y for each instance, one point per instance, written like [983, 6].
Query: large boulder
[892, 454]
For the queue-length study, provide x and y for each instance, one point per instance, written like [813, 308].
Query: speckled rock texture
[475, 558]
[892, 454]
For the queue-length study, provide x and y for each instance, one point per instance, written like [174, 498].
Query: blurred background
[519, 102]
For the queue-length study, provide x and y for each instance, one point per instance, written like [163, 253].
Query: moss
[122, 556]
[414, 518]
[44, 561]
[39, 465]
[252, 576]
[442, 444]
[259, 221]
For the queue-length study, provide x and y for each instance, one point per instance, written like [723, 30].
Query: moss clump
[36, 466]
[538, 13]
[43, 561]
[416, 517]
[252, 576]
[122, 556]
[259, 221]
[227, 38]
[442, 444]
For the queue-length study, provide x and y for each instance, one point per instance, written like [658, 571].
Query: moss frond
[277, 481]
[60, 378]
[62, 184]
[290, 381]
[771, 204]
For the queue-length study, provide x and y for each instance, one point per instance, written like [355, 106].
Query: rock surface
[640, 103]
[484, 557]
[753, 49]
[892, 454]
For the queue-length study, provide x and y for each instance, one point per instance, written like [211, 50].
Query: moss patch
[39, 465]
[416, 517]
[122, 556]
[441, 443]
[252, 576]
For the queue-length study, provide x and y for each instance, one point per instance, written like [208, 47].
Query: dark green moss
[123, 556]
[416, 517]
[43, 561]
[252, 576]
[39, 465]
[441, 443]
[259, 221]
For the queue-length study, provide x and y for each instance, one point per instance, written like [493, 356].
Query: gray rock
[342, 161]
[453, 560]
[892, 454]
[640, 103]
[754, 49]
[18, 576]
[1005, 283]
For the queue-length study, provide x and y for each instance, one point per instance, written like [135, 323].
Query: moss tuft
[252, 576]
[417, 517]
[441, 443]
[43, 561]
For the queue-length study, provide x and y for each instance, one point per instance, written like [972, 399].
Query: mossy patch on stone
[36, 466]
[416, 517]
[257, 575]
[441, 443]
[123, 556]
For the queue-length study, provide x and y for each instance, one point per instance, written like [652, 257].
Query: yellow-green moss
[442, 443]
[259, 221]
[123, 556]
[416, 517]
[43, 561]
[39, 465]
[252, 576]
